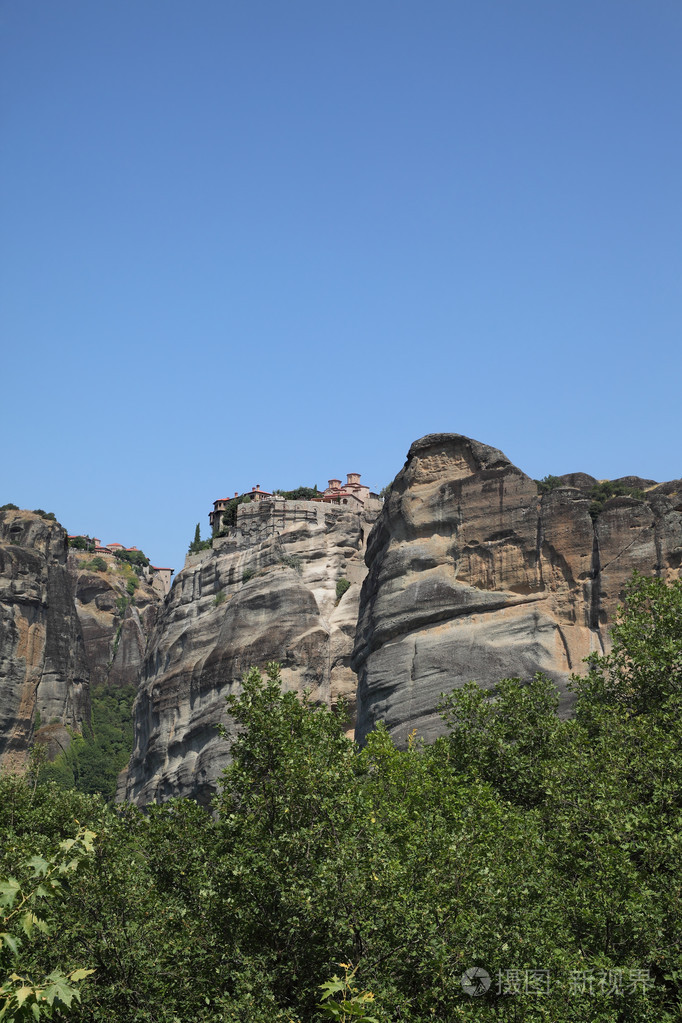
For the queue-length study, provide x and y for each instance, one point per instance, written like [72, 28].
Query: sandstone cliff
[42, 662]
[115, 622]
[475, 575]
[266, 592]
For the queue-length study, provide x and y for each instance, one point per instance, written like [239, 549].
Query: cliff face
[473, 575]
[115, 627]
[267, 592]
[42, 663]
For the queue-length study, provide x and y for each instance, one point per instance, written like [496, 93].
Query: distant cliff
[275, 589]
[43, 670]
[474, 574]
[117, 611]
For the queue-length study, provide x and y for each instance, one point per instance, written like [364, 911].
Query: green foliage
[602, 492]
[9, 507]
[291, 561]
[352, 1003]
[98, 564]
[549, 483]
[220, 598]
[136, 559]
[92, 762]
[643, 672]
[247, 574]
[341, 586]
[197, 543]
[516, 842]
[228, 517]
[505, 736]
[131, 585]
[81, 543]
[50, 516]
[25, 914]
[299, 494]
[385, 491]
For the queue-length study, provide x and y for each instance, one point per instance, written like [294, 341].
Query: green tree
[26, 912]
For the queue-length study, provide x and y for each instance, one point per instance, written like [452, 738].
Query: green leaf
[11, 942]
[77, 975]
[22, 994]
[38, 865]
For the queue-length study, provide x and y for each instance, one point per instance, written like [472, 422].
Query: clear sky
[275, 241]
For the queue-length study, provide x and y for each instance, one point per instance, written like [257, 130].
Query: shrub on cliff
[602, 492]
[299, 494]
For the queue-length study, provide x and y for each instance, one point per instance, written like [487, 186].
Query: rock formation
[266, 592]
[115, 627]
[475, 575]
[42, 662]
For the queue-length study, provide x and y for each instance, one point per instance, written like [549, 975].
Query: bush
[548, 483]
[9, 507]
[604, 491]
[81, 543]
[96, 565]
[220, 598]
[136, 559]
[299, 494]
[132, 585]
[341, 586]
[45, 515]
[247, 574]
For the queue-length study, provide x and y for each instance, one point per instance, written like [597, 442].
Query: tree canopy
[521, 868]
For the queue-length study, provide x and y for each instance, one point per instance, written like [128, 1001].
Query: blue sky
[273, 242]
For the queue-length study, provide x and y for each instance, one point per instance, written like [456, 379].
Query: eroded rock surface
[115, 623]
[474, 575]
[266, 593]
[42, 661]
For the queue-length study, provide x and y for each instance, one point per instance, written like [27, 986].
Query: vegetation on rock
[299, 494]
[549, 483]
[136, 559]
[197, 543]
[93, 760]
[602, 492]
[81, 543]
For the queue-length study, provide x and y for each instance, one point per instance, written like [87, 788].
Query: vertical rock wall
[42, 663]
[474, 575]
[266, 593]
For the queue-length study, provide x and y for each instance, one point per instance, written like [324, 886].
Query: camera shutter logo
[475, 981]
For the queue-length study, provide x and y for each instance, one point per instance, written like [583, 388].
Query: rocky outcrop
[115, 623]
[266, 592]
[42, 662]
[475, 575]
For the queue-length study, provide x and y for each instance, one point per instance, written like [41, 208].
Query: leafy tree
[81, 543]
[643, 672]
[197, 543]
[602, 492]
[299, 494]
[549, 483]
[25, 912]
[136, 559]
[9, 507]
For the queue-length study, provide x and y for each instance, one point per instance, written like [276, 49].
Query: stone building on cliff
[353, 494]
